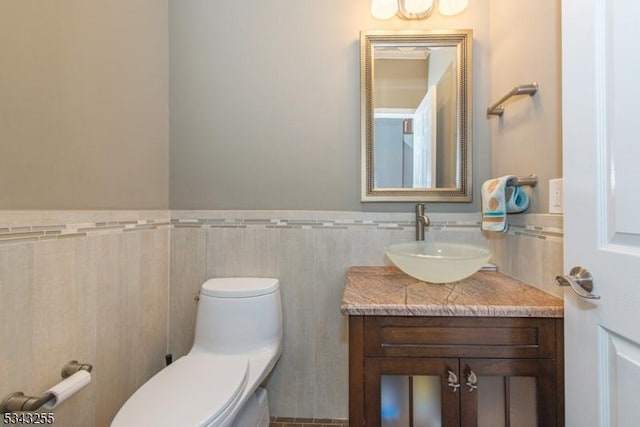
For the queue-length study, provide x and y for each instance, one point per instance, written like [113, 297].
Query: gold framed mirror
[416, 122]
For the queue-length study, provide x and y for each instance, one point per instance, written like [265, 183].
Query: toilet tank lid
[239, 287]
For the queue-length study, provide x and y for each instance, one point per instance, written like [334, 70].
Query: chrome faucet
[422, 221]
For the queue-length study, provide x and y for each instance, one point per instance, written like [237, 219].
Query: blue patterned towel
[494, 204]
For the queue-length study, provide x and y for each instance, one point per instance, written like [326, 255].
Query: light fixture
[384, 9]
[414, 9]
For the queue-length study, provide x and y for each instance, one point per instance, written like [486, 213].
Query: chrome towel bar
[531, 180]
[16, 402]
[497, 109]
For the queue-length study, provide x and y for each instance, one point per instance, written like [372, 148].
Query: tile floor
[308, 422]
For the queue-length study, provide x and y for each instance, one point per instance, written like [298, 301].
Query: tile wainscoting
[91, 286]
[531, 250]
[117, 288]
[310, 252]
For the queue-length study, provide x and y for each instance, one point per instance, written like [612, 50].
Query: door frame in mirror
[462, 40]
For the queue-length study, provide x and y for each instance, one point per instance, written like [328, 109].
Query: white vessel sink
[438, 262]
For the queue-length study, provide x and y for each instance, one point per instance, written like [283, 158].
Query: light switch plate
[556, 196]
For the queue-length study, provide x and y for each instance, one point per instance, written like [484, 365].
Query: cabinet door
[408, 392]
[508, 392]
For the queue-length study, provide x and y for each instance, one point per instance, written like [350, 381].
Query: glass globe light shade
[384, 9]
[452, 7]
[417, 6]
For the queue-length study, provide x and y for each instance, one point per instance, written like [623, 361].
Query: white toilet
[238, 340]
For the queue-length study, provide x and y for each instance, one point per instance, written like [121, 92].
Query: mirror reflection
[414, 117]
[416, 135]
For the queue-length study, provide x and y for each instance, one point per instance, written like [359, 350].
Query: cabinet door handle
[472, 380]
[453, 381]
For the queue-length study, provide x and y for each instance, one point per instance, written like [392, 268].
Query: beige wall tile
[368, 246]
[292, 386]
[310, 380]
[224, 257]
[100, 300]
[53, 309]
[152, 310]
[525, 255]
[187, 274]
[126, 354]
[61, 315]
[333, 257]
[526, 258]
[248, 252]
[552, 266]
[105, 299]
[498, 245]
[16, 323]
[116, 346]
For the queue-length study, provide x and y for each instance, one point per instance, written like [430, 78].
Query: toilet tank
[238, 314]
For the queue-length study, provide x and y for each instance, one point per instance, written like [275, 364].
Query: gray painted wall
[84, 104]
[527, 139]
[265, 103]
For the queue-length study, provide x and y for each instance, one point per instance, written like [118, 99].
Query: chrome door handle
[580, 280]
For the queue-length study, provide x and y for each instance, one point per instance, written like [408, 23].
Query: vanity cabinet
[455, 371]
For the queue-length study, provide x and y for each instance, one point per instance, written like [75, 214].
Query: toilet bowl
[238, 340]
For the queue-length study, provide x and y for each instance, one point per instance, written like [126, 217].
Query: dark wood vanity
[487, 350]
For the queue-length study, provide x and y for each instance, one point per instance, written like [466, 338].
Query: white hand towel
[494, 205]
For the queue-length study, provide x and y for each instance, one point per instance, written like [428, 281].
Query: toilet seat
[193, 391]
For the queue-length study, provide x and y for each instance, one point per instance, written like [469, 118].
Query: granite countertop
[387, 291]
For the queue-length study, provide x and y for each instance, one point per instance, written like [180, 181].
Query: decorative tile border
[319, 224]
[545, 233]
[39, 233]
[33, 226]
[52, 225]
[538, 226]
[307, 422]
[308, 220]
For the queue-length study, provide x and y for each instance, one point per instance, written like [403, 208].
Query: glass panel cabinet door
[507, 401]
[412, 392]
[507, 392]
[427, 401]
[410, 400]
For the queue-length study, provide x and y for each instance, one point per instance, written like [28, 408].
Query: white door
[601, 155]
